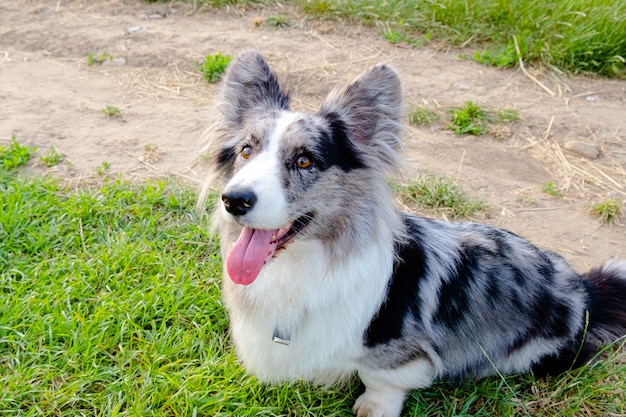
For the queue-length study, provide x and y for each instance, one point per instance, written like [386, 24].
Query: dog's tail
[607, 303]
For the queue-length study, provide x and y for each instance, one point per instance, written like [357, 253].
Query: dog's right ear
[250, 84]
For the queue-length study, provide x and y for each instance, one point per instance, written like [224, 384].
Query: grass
[95, 58]
[15, 155]
[422, 116]
[278, 21]
[469, 120]
[103, 168]
[552, 189]
[439, 195]
[507, 115]
[608, 211]
[111, 111]
[111, 307]
[577, 36]
[214, 67]
[51, 158]
[573, 36]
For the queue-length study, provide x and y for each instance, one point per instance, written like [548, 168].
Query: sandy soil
[49, 96]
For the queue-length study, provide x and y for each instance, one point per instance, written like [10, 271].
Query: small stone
[157, 15]
[463, 87]
[115, 62]
[583, 149]
[134, 29]
[591, 98]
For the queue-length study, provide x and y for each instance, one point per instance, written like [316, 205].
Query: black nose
[239, 202]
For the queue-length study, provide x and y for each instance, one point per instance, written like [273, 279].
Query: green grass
[51, 158]
[214, 67]
[14, 155]
[469, 120]
[422, 116]
[103, 168]
[111, 307]
[439, 195]
[95, 58]
[278, 21]
[608, 211]
[578, 36]
[507, 115]
[552, 189]
[473, 119]
[111, 111]
[574, 36]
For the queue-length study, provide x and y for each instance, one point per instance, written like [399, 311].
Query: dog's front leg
[380, 402]
[386, 389]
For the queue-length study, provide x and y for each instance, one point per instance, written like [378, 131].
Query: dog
[325, 278]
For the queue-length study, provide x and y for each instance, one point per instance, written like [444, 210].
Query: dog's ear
[250, 84]
[370, 108]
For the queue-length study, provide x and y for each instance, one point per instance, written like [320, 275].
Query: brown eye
[303, 161]
[246, 152]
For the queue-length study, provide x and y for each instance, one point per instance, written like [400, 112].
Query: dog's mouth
[255, 247]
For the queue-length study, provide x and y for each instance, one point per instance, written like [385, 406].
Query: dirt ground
[49, 96]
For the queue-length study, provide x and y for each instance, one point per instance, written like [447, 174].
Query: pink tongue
[249, 254]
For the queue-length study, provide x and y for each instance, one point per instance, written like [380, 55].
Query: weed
[469, 120]
[551, 189]
[526, 200]
[398, 33]
[440, 194]
[504, 57]
[111, 111]
[507, 115]
[98, 59]
[14, 155]
[320, 8]
[279, 21]
[392, 36]
[608, 211]
[51, 157]
[422, 116]
[103, 168]
[214, 67]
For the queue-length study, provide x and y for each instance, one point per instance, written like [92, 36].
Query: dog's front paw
[380, 403]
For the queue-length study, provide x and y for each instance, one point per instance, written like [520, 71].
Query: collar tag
[280, 338]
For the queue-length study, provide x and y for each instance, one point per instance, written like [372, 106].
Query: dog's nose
[239, 202]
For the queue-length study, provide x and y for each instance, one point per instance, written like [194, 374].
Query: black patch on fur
[335, 148]
[607, 301]
[226, 155]
[551, 316]
[454, 299]
[571, 356]
[402, 294]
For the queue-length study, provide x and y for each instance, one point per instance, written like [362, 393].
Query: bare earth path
[50, 97]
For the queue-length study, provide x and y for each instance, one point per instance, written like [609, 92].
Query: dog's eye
[303, 161]
[246, 152]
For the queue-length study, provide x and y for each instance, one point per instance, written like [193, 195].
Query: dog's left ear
[370, 107]
[249, 84]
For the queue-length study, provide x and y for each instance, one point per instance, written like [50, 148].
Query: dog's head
[285, 176]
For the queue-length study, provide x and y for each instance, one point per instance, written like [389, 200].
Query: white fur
[303, 296]
[386, 389]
